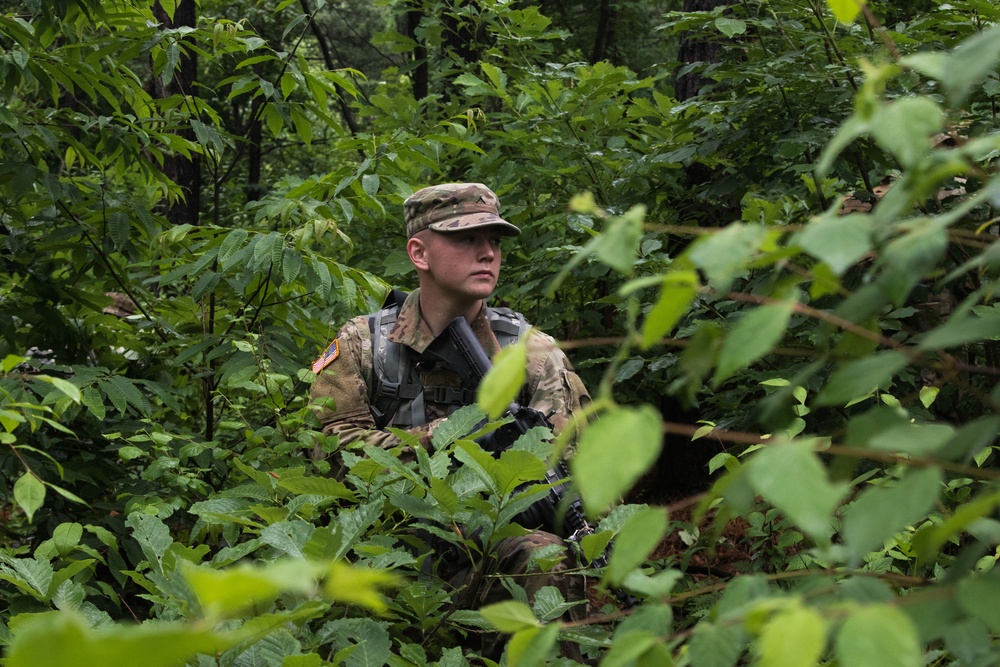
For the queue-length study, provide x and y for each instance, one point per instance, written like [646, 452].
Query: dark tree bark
[420, 74]
[694, 49]
[185, 172]
[604, 37]
[333, 60]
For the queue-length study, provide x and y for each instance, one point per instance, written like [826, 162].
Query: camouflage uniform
[345, 374]
[551, 385]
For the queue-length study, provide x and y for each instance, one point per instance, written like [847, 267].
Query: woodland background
[764, 231]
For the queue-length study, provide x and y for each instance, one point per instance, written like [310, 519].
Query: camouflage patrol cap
[452, 207]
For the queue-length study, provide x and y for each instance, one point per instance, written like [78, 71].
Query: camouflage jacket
[345, 374]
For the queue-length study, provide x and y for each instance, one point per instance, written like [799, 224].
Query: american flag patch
[327, 357]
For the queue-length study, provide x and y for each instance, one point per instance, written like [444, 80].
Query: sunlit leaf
[881, 511]
[642, 533]
[794, 637]
[613, 453]
[754, 335]
[504, 380]
[845, 11]
[879, 635]
[792, 477]
[29, 494]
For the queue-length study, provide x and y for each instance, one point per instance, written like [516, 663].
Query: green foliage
[807, 248]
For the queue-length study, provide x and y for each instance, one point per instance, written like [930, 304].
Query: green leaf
[977, 595]
[613, 452]
[913, 438]
[970, 63]
[837, 240]
[730, 27]
[531, 647]
[227, 593]
[504, 380]
[794, 637]
[882, 511]
[905, 126]
[640, 535]
[152, 535]
[879, 635]
[716, 644]
[231, 244]
[65, 638]
[29, 494]
[860, 378]
[792, 477]
[64, 386]
[510, 616]
[845, 11]
[618, 246]
[724, 255]
[320, 486]
[961, 329]
[358, 585]
[754, 335]
[676, 295]
[289, 536]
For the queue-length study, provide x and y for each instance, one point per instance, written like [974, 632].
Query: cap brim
[475, 221]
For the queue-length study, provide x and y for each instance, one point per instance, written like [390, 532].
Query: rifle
[459, 350]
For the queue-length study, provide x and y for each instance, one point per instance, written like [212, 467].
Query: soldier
[376, 378]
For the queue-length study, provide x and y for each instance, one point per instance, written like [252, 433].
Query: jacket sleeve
[552, 386]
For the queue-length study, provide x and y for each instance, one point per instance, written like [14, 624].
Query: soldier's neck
[439, 313]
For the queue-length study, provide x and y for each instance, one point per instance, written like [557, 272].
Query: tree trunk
[420, 74]
[185, 172]
[694, 49]
[604, 37]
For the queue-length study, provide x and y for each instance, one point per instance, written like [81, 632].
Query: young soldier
[376, 377]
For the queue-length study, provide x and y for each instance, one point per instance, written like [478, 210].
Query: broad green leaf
[716, 644]
[34, 576]
[358, 585]
[879, 635]
[618, 245]
[860, 378]
[628, 647]
[289, 536]
[231, 244]
[504, 380]
[932, 536]
[754, 335]
[613, 452]
[913, 438]
[515, 467]
[792, 477]
[726, 254]
[960, 329]
[530, 647]
[977, 595]
[510, 616]
[676, 295]
[640, 535]
[794, 637]
[882, 511]
[65, 638]
[228, 592]
[29, 494]
[837, 240]
[971, 63]
[905, 126]
[730, 27]
[320, 486]
[152, 535]
[64, 386]
[845, 11]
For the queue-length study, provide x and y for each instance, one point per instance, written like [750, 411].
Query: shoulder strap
[508, 325]
[396, 396]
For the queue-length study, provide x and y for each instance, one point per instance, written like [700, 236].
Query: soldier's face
[462, 264]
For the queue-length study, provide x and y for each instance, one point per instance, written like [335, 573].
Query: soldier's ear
[416, 249]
